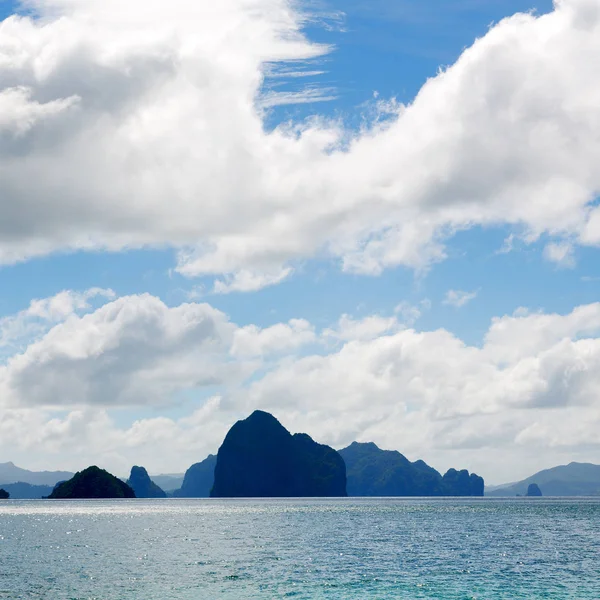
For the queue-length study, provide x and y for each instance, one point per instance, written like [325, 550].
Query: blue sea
[346, 548]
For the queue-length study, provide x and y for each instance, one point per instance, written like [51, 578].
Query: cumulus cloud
[129, 124]
[253, 341]
[132, 351]
[532, 384]
[459, 298]
[42, 313]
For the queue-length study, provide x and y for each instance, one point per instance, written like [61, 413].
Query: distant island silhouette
[198, 479]
[139, 481]
[92, 482]
[574, 479]
[261, 458]
[4, 495]
[375, 472]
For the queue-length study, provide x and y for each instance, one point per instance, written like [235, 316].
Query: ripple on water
[347, 548]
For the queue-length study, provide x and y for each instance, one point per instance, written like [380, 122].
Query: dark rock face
[4, 495]
[533, 491]
[92, 483]
[375, 472]
[139, 481]
[259, 458]
[198, 480]
[460, 483]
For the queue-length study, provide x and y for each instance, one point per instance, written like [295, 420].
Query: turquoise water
[354, 548]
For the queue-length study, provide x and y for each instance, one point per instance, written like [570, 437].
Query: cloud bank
[135, 124]
[532, 384]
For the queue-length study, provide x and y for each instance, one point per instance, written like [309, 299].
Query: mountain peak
[261, 458]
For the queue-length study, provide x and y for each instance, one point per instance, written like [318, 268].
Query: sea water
[339, 548]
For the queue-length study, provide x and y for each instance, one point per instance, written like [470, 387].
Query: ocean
[340, 548]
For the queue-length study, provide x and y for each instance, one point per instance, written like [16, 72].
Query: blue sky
[489, 266]
[391, 48]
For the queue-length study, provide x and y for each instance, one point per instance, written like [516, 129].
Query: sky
[377, 220]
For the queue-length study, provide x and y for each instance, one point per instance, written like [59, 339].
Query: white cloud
[561, 253]
[527, 397]
[369, 328]
[127, 124]
[459, 298]
[42, 313]
[410, 313]
[247, 281]
[132, 351]
[253, 341]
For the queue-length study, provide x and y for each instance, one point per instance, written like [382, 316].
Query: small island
[534, 491]
[4, 495]
[90, 483]
[139, 481]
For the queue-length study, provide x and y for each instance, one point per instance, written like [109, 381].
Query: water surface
[350, 548]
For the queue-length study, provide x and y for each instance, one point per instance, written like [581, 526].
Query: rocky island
[139, 481]
[260, 458]
[198, 479]
[375, 472]
[4, 495]
[534, 491]
[92, 482]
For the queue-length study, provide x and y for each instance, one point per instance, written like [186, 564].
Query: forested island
[92, 482]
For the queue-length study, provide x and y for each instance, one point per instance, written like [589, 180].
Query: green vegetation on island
[92, 482]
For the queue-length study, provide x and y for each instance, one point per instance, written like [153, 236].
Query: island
[139, 481]
[375, 472]
[260, 458]
[198, 479]
[534, 491]
[4, 495]
[92, 482]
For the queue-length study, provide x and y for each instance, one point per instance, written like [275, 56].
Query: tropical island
[92, 482]
[139, 481]
[261, 458]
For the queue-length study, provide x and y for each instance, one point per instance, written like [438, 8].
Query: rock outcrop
[139, 481]
[198, 479]
[4, 495]
[92, 482]
[574, 479]
[533, 491]
[461, 483]
[375, 472]
[259, 458]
